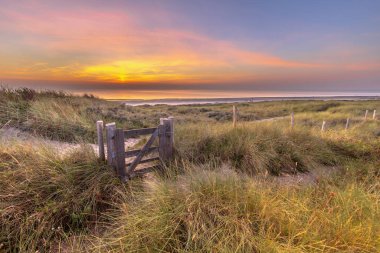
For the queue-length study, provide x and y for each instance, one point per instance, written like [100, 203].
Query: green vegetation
[228, 189]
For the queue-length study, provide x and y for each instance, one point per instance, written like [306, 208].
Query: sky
[178, 48]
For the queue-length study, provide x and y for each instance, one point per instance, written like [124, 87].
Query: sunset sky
[197, 48]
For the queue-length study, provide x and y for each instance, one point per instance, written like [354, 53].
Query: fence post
[110, 136]
[234, 116]
[365, 115]
[292, 120]
[374, 114]
[347, 123]
[120, 154]
[99, 129]
[323, 126]
[171, 138]
[161, 139]
[171, 118]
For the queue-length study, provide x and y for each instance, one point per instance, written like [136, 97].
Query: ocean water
[139, 102]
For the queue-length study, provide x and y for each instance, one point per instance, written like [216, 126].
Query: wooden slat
[137, 132]
[146, 160]
[132, 153]
[143, 151]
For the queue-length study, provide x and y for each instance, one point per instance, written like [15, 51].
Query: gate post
[120, 154]
[166, 139]
[110, 136]
[171, 138]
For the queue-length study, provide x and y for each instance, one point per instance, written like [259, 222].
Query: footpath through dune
[11, 134]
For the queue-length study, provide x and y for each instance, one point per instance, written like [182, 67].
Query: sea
[200, 101]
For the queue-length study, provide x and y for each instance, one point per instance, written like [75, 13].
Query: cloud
[114, 47]
[88, 44]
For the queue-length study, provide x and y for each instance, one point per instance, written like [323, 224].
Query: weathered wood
[120, 154]
[99, 129]
[347, 123]
[165, 140]
[374, 114]
[137, 132]
[292, 120]
[365, 115]
[234, 116]
[110, 135]
[132, 153]
[161, 139]
[171, 118]
[171, 138]
[323, 126]
[143, 151]
[148, 160]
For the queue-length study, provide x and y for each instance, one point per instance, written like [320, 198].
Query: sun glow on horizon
[136, 71]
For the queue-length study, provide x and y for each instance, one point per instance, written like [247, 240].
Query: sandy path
[271, 119]
[10, 134]
[308, 178]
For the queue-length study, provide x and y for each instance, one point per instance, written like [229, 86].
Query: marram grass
[44, 197]
[222, 211]
[217, 196]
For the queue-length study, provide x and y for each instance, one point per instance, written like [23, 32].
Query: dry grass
[44, 197]
[215, 197]
[255, 148]
[221, 211]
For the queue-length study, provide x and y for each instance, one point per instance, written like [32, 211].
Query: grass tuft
[44, 197]
[221, 211]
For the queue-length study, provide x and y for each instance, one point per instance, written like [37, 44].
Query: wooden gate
[117, 154]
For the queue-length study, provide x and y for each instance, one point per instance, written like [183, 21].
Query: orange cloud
[80, 45]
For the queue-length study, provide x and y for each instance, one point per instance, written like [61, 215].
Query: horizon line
[250, 97]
